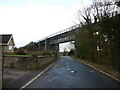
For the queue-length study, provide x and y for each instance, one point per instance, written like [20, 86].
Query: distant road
[69, 73]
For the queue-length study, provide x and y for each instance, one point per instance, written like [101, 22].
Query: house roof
[5, 38]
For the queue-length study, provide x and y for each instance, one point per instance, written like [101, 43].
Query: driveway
[13, 78]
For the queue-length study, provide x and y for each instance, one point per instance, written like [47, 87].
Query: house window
[10, 48]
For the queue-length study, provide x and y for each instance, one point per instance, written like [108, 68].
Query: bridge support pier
[41, 47]
[54, 47]
[46, 46]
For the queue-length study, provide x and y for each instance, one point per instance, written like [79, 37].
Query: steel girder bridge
[52, 42]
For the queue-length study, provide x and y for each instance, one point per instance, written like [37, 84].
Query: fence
[28, 62]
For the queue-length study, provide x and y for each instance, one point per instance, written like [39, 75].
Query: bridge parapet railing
[60, 32]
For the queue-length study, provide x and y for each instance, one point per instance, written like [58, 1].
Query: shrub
[71, 53]
[21, 52]
[46, 52]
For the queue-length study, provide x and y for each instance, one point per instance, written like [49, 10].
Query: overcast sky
[31, 20]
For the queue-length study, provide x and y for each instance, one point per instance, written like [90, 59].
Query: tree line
[98, 38]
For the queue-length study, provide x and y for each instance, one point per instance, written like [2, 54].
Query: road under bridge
[52, 42]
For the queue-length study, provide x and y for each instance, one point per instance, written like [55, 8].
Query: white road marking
[91, 71]
[101, 71]
[36, 77]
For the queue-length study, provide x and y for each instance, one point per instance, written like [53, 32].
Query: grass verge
[18, 55]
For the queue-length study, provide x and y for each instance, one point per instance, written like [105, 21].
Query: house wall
[12, 45]
[9, 48]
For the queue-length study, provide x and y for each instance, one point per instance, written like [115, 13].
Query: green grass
[23, 55]
[18, 55]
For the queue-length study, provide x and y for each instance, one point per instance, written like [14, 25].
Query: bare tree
[99, 9]
[100, 31]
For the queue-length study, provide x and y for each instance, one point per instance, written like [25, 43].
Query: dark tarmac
[69, 73]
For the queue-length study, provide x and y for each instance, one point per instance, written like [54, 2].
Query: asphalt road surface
[69, 73]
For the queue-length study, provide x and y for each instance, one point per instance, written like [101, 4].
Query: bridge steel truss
[52, 42]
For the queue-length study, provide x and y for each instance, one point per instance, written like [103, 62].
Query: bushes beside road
[98, 38]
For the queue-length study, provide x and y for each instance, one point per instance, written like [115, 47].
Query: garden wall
[27, 62]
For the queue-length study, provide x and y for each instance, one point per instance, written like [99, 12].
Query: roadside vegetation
[108, 69]
[98, 38]
[24, 51]
[16, 55]
[30, 59]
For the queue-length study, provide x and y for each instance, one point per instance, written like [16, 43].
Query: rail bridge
[52, 42]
